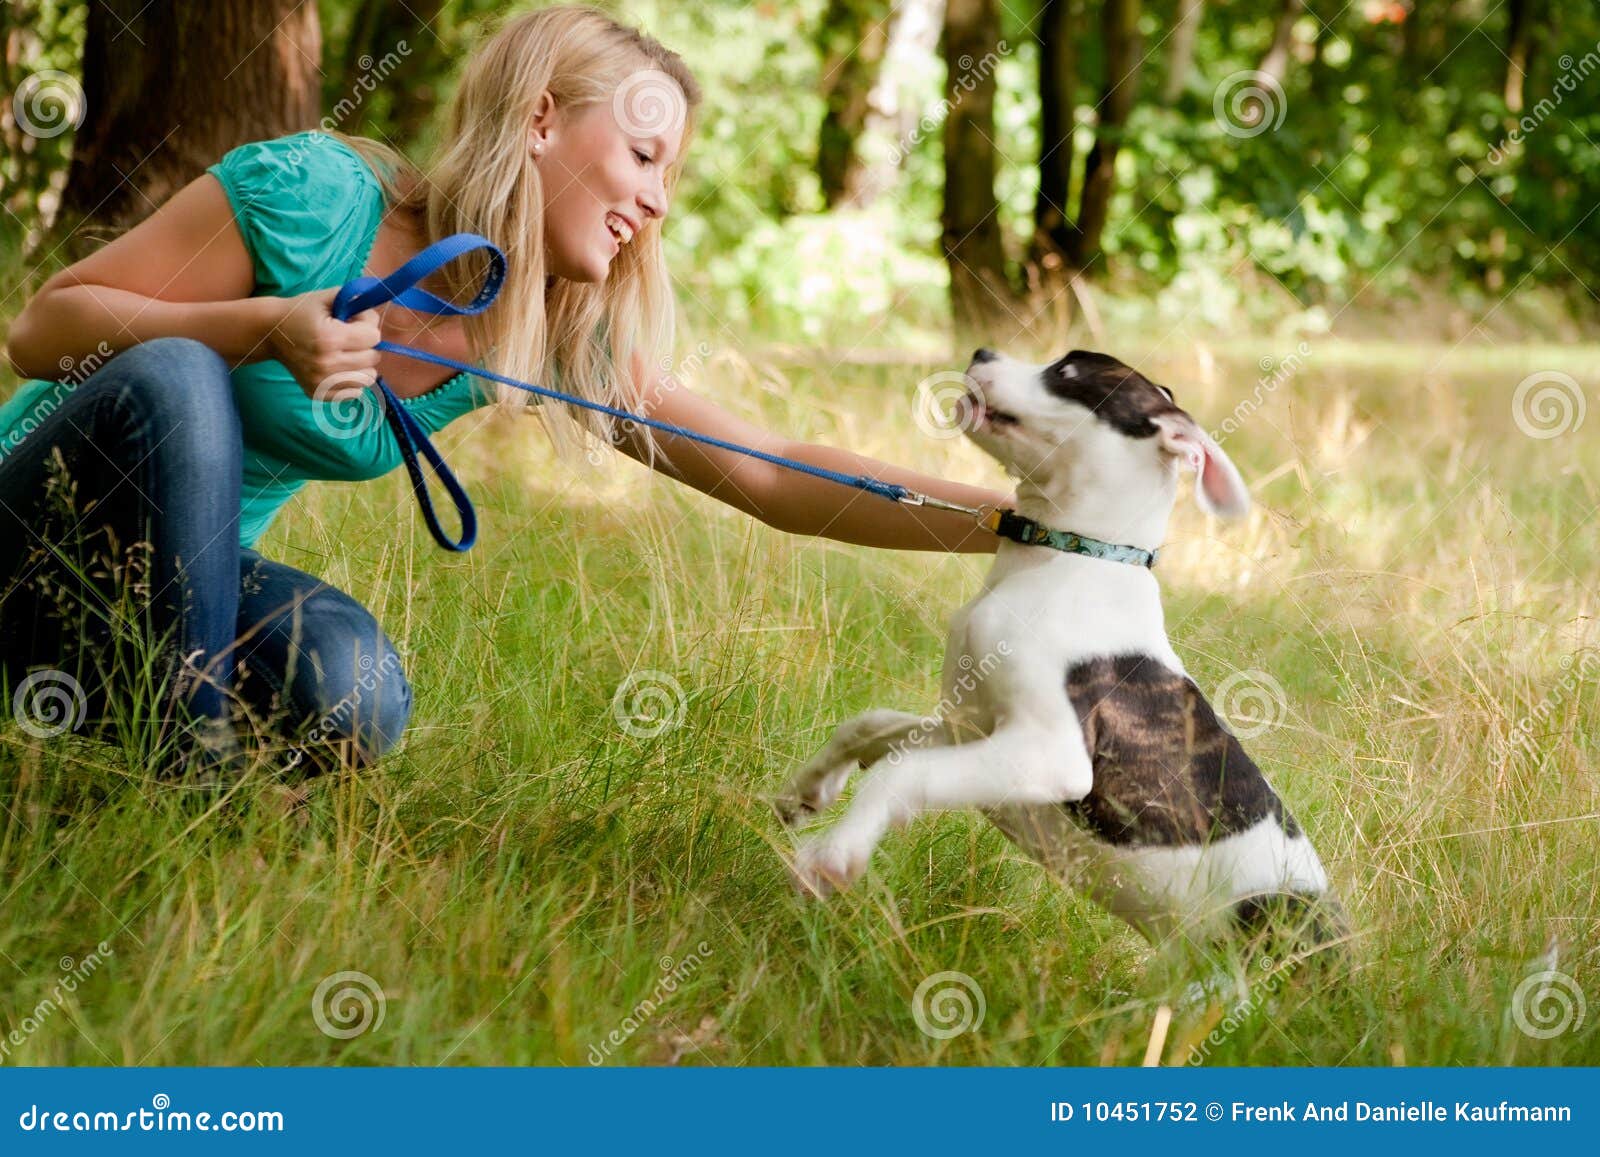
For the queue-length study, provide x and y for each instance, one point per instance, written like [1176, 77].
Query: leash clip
[913, 498]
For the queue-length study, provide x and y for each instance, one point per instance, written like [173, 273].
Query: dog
[1066, 715]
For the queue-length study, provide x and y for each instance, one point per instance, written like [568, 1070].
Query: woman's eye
[641, 156]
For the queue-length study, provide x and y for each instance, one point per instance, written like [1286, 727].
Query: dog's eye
[1168, 392]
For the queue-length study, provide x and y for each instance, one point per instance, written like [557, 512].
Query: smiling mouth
[986, 415]
[619, 228]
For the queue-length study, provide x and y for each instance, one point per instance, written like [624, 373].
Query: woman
[563, 142]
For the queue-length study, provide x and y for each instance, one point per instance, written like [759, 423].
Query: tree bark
[1519, 43]
[979, 288]
[171, 87]
[1120, 35]
[1276, 62]
[852, 40]
[1180, 49]
[1055, 233]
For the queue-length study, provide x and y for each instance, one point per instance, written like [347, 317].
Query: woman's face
[604, 180]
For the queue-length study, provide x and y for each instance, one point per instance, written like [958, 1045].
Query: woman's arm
[184, 272]
[799, 503]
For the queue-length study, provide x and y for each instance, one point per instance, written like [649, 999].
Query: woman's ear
[1218, 488]
[542, 123]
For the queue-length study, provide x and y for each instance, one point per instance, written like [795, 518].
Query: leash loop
[400, 287]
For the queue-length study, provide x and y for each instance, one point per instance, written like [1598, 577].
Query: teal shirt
[309, 208]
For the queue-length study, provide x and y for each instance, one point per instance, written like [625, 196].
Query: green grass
[514, 877]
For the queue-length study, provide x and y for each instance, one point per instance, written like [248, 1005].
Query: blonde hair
[588, 339]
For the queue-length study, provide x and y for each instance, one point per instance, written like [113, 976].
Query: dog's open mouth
[986, 415]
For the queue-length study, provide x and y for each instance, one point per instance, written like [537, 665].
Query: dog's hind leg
[856, 743]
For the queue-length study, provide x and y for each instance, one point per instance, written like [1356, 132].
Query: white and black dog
[1067, 716]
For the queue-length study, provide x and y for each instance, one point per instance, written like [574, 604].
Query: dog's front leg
[1018, 764]
[859, 742]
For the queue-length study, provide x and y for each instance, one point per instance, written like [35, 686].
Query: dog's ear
[1218, 488]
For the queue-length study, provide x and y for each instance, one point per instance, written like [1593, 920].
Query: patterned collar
[1010, 524]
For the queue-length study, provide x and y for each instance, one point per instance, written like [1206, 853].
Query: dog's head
[1087, 432]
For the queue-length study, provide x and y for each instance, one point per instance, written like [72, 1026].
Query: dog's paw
[811, 792]
[829, 863]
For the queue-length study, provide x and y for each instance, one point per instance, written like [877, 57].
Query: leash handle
[400, 287]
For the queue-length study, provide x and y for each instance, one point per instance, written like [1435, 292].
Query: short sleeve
[307, 206]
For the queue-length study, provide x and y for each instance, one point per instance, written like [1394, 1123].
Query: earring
[538, 148]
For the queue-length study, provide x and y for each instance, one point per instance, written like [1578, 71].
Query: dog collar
[1009, 524]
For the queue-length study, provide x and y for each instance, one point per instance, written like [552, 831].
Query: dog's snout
[979, 356]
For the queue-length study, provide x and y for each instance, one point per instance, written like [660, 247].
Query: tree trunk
[1519, 42]
[171, 87]
[1055, 234]
[1276, 62]
[399, 46]
[1180, 49]
[892, 111]
[979, 289]
[1120, 35]
[852, 40]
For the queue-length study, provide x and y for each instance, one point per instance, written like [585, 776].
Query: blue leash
[400, 287]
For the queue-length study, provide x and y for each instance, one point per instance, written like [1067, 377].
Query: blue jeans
[124, 593]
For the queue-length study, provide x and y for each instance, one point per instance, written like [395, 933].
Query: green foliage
[1396, 170]
[1385, 171]
[42, 37]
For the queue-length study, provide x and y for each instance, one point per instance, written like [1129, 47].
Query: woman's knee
[182, 391]
[372, 708]
[351, 682]
[167, 357]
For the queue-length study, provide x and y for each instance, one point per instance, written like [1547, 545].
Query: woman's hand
[330, 358]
